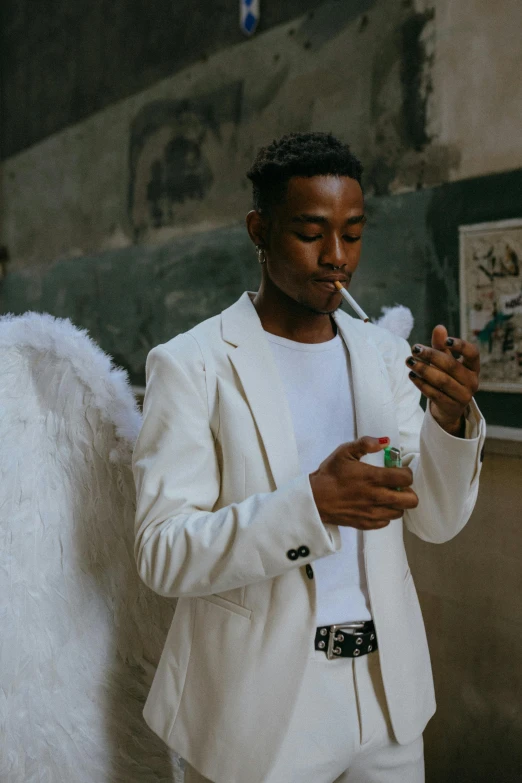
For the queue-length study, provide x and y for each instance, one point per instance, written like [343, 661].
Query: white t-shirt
[318, 384]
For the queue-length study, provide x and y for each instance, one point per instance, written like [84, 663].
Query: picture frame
[490, 264]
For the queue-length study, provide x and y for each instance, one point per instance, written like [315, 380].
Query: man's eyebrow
[305, 218]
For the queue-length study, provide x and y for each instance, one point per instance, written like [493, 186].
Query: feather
[81, 635]
[398, 320]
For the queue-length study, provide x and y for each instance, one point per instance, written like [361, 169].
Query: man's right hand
[351, 493]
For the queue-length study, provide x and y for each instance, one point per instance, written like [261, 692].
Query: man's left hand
[448, 375]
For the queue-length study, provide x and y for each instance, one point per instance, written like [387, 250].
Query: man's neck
[285, 317]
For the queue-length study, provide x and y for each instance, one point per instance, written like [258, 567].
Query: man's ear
[257, 228]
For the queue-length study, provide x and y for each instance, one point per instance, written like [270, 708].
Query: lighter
[392, 457]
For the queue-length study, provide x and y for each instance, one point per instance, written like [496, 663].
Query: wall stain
[379, 175]
[386, 144]
[430, 167]
[168, 161]
[363, 24]
[415, 79]
[328, 21]
[181, 173]
[403, 154]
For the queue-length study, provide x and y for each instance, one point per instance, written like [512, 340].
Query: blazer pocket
[228, 606]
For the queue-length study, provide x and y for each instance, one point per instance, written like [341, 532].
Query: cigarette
[351, 301]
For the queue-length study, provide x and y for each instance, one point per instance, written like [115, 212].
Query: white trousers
[340, 731]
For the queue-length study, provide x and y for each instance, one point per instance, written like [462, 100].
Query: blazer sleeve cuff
[464, 450]
[311, 532]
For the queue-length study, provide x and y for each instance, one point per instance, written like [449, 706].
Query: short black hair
[298, 155]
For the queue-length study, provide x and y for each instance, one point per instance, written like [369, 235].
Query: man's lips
[329, 281]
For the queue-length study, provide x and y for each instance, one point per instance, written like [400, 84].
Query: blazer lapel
[259, 376]
[372, 414]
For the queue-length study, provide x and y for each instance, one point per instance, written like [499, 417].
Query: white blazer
[220, 502]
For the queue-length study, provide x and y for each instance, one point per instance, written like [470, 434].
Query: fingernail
[416, 349]
[411, 361]
[450, 341]
[413, 374]
[383, 440]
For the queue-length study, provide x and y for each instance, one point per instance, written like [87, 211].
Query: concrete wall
[63, 61]
[470, 591]
[125, 138]
[377, 73]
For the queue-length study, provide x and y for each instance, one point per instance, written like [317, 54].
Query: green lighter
[392, 457]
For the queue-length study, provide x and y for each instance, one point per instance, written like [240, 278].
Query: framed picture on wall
[491, 300]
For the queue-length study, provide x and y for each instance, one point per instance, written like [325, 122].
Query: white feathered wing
[398, 320]
[80, 635]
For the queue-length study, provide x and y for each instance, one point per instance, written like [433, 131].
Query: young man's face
[315, 238]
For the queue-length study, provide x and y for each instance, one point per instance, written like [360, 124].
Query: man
[264, 506]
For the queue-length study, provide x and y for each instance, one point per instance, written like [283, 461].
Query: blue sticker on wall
[249, 16]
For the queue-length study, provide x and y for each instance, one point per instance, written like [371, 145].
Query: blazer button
[303, 551]
[292, 554]
[309, 571]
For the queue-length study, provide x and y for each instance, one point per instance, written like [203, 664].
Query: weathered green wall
[133, 298]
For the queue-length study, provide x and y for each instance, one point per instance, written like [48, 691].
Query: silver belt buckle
[351, 628]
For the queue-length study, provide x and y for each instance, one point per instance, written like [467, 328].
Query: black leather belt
[347, 640]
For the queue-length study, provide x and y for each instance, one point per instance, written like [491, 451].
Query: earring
[261, 255]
